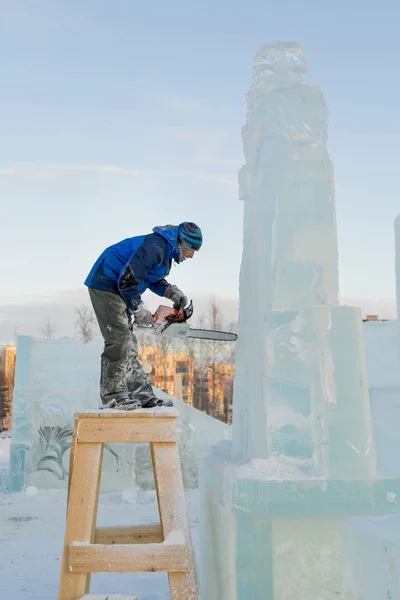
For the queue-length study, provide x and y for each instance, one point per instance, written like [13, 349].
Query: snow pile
[275, 469]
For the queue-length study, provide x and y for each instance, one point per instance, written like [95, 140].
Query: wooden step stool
[164, 546]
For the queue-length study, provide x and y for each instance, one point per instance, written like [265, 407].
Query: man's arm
[159, 287]
[146, 257]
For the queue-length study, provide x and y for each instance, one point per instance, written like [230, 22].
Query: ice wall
[54, 379]
[383, 367]
[382, 342]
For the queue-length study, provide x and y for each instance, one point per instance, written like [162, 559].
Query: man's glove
[142, 316]
[174, 294]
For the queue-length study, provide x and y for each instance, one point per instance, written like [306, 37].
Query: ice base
[270, 536]
[371, 549]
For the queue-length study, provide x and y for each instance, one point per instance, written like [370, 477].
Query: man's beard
[181, 257]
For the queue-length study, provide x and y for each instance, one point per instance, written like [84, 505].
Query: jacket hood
[170, 234]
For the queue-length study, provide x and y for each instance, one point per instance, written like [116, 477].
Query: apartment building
[207, 387]
[7, 372]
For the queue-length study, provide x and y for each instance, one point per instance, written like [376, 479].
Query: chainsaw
[172, 323]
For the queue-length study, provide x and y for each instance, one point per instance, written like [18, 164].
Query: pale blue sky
[155, 94]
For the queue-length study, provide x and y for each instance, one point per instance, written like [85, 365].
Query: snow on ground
[32, 525]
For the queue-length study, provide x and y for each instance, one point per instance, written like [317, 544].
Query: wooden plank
[71, 460]
[81, 515]
[158, 412]
[138, 534]
[126, 430]
[173, 517]
[126, 558]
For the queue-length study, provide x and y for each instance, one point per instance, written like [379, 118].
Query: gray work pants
[122, 375]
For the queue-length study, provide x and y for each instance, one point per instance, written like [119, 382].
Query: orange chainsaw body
[166, 315]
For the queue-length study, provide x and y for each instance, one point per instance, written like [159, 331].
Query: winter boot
[154, 402]
[122, 404]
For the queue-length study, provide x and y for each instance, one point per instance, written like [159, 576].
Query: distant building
[213, 390]
[207, 387]
[165, 367]
[7, 372]
[369, 318]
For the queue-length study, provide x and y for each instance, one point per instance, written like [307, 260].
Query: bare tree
[228, 397]
[215, 351]
[86, 324]
[167, 346]
[199, 351]
[209, 379]
[48, 329]
[230, 348]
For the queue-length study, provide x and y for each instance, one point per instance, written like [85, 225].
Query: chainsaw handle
[181, 315]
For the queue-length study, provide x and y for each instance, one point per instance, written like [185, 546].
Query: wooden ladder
[165, 546]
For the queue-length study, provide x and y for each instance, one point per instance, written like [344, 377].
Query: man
[116, 282]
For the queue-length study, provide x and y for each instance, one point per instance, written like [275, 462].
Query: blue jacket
[136, 264]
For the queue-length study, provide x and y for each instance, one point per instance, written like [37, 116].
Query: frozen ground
[31, 538]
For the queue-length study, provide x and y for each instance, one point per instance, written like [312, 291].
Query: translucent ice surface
[56, 378]
[302, 457]
[371, 558]
[289, 260]
[291, 350]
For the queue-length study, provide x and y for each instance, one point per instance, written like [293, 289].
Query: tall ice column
[288, 361]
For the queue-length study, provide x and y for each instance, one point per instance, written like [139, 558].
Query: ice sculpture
[302, 455]
[56, 378]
